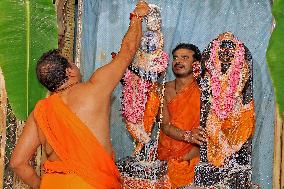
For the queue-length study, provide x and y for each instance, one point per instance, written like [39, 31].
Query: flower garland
[224, 98]
[139, 100]
[148, 64]
[134, 97]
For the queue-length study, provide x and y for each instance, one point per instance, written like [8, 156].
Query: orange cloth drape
[184, 111]
[63, 181]
[78, 149]
[151, 108]
[226, 137]
[181, 173]
[150, 113]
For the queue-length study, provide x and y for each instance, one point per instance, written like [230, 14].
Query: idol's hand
[141, 8]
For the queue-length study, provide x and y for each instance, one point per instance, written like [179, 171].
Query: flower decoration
[224, 86]
[139, 91]
[153, 19]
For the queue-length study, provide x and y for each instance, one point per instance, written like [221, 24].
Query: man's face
[182, 62]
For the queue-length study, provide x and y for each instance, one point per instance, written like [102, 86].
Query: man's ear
[70, 72]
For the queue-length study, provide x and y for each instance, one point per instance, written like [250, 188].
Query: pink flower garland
[224, 105]
[134, 97]
[161, 63]
[135, 89]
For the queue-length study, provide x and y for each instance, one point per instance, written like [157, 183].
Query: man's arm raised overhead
[109, 75]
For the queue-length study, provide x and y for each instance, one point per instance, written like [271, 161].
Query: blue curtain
[198, 22]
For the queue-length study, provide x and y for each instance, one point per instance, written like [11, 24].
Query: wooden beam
[3, 112]
[277, 150]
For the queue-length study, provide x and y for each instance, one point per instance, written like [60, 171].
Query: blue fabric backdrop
[198, 22]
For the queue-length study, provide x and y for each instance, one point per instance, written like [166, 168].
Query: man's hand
[197, 136]
[141, 8]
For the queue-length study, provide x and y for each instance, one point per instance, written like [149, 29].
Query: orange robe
[150, 113]
[184, 111]
[84, 161]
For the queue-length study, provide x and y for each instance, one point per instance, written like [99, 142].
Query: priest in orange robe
[79, 152]
[181, 136]
[72, 124]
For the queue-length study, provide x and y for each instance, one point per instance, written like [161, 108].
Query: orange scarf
[78, 149]
[184, 112]
[225, 137]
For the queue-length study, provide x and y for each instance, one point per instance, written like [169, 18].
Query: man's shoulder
[87, 91]
[44, 100]
[170, 84]
[169, 89]
[91, 85]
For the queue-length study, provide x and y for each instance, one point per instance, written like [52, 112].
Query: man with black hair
[73, 123]
[180, 132]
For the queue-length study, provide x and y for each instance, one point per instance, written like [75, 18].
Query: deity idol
[227, 113]
[141, 99]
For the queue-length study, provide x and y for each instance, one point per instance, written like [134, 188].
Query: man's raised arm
[108, 76]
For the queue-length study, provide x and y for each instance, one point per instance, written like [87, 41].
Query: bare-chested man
[73, 123]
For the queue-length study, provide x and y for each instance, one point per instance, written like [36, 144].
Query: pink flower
[223, 106]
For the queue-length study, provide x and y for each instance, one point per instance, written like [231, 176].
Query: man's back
[88, 97]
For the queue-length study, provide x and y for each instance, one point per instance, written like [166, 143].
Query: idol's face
[226, 51]
[150, 42]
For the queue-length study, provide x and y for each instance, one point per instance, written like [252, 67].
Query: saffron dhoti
[83, 160]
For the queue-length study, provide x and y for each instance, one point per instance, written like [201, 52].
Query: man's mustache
[178, 64]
